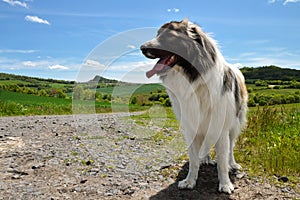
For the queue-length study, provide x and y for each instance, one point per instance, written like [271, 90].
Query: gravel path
[106, 156]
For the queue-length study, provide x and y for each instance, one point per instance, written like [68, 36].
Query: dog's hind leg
[232, 137]
[194, 163]
[222, 149]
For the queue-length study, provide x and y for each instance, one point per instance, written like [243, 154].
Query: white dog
[208, 95]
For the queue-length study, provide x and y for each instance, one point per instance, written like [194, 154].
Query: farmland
[13, 103]
[21, 95]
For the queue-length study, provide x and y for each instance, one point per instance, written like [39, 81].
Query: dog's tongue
[159, 66]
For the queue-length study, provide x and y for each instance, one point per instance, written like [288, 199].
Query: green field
[131, 89]
[268, 91]
[13, 103]
[28, 100]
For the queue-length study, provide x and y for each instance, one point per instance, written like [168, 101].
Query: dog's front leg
[222, 149]
[190, 181]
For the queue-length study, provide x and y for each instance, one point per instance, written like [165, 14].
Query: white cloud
[285, 2]
[175, 10]
[36, 19]
[247, 54]
[58, 67]
[124, 71]
[281, 57]
[16, 3]
[29, 64]
[93, 64]
[130, 46]
[134, 72]
[238, 65]
[290, 1]
[17, 51]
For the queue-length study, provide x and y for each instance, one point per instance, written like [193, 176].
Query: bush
[133, 100]
[251, 102]
[167, 102]
[261, 83]
[250, 89]
[11, 109]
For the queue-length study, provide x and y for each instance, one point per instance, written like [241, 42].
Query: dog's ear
[196, 33]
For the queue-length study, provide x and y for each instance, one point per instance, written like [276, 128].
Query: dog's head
[183, 44]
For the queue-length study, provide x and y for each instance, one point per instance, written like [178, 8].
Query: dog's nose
[143, 47]
[150, 44]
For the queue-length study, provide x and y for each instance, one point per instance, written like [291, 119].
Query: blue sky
[75, 40]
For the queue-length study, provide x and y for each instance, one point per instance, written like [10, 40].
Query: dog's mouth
[162, 66]
[166, 61]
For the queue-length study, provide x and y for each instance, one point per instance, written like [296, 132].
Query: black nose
[144, 51]
[143, 47]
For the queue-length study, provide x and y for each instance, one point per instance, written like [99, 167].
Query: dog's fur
[208, 95]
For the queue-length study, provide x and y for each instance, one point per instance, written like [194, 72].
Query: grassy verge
[270, 144]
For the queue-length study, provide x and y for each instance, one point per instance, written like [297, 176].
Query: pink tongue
[157, 67]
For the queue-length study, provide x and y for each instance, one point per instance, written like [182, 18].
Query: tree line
[270, 73]
[48, 92]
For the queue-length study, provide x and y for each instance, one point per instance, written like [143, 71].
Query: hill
[18, 79]
[270, 73]
[100, 79]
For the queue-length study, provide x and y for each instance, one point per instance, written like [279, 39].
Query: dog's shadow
[206, 187]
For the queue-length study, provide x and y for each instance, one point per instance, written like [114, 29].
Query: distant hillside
[100, 79]
[271, 73]
[250, 73]
[18, 79]
[9, 79]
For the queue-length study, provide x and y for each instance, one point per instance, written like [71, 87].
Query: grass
[269, 91]
[129, 90]
[270, 143]
[12, 104]
[27, 99]
[157, 115]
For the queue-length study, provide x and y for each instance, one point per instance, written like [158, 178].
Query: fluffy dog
[208, 95]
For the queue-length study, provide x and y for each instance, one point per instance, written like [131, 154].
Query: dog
[208, 95]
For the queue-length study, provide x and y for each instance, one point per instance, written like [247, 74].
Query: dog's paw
[227, 188]
[235, 166]
[186, 184]
[206, 160]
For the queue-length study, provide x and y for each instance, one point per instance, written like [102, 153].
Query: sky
[77, 40]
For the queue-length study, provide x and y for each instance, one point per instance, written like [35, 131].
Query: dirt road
[104, 156]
